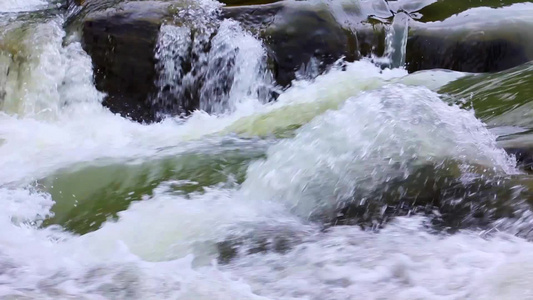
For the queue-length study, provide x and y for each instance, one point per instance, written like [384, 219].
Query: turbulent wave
[374, 138]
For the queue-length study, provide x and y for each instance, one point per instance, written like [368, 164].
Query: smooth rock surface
[478, 40]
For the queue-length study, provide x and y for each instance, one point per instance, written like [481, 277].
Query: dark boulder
[121, 42]
[298, 38]
[467, 55]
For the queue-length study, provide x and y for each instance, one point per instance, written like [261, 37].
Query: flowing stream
[250, 199]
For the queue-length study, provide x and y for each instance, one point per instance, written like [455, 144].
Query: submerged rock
[259, 238]
[478, 40]
[452, 199]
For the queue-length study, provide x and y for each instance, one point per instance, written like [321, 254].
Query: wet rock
[438, 10]
[306, 39]
[253, 18]
[121, 42]
[478, 40]
[467, 55]
[450, 202]
[266, 238]
[302, 38]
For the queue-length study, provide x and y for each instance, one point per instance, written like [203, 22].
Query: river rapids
[362, 182]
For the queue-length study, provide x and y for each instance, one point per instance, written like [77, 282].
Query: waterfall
[213, 67]
[396, 40]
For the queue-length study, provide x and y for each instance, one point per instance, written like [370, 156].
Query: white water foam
[402, 262]
[46, 79]
[136, 258]
[142, 257]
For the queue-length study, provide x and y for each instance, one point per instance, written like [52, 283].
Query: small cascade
[172, 52]
[39, 76]
[396, 40]
[236, 71]
[210, 65]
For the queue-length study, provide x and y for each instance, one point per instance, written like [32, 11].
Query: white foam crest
[305, 100]
[138, 257]
[25, 206]
[125, 260]
[377, 136]
[184, 225]
[31, 148]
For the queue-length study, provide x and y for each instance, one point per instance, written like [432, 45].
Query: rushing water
[237, 203]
